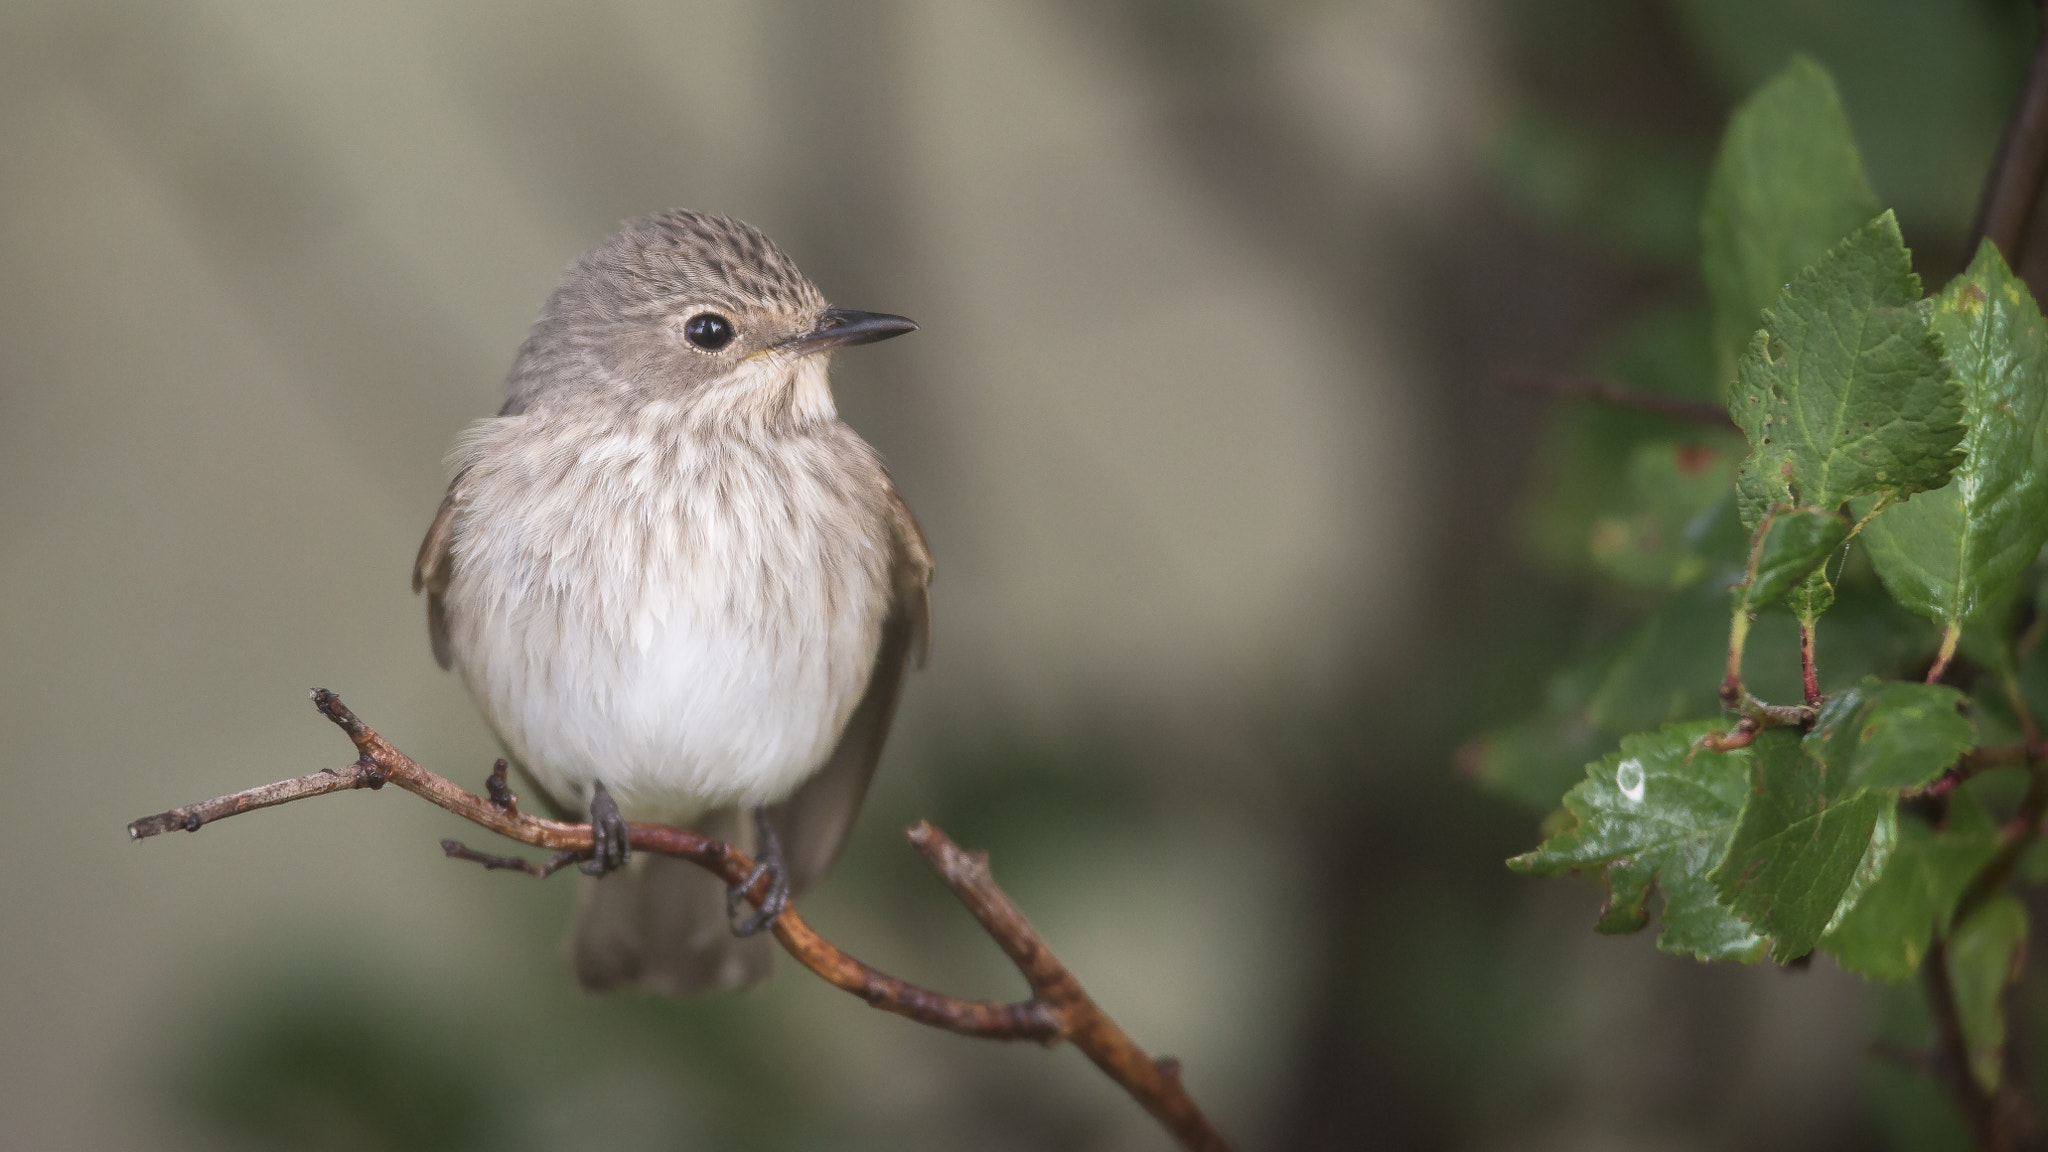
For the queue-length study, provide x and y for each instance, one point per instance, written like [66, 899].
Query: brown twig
[1154, 1083]
[1981, 759]
[1564, 386]
[1059, 1009]
[2005, 212]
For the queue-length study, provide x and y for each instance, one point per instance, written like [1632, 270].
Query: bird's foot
[769, 864]
[609, 847]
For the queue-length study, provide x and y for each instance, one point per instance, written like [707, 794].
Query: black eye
[709, 331]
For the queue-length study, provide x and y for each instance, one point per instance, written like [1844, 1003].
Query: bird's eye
[708, 330]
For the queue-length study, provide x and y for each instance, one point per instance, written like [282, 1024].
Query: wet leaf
[1890, 734]
[1658, 813]
[1798, 847]
[1885, 935]
[1960, 553]
[1845, 391]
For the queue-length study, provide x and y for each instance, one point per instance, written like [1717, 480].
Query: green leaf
[1845, 391]
[1797, 847]
[1885, 934]
[1981, 957]
[1811, 597]
[1657, 813]
[1786, 185]
[1817, 833]
[1795, 543]
[1959, 553]
[1877, 857]
[1889, 734]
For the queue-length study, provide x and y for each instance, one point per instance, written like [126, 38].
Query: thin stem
[1732, 693]
[1949, 636]
[1808, 677]
[1060, 1009]
[1564, 386]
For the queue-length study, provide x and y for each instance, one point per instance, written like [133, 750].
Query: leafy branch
[1898, 463]
[1059, 1008]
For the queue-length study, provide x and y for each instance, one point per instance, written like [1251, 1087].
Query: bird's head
[688, 306]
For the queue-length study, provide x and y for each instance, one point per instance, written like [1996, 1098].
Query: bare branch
[1563, 386]
[1060, 1008]
[1154, 1083]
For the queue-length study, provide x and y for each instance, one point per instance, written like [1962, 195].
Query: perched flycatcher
[678, 586]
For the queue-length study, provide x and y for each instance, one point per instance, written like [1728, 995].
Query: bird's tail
[659, 924]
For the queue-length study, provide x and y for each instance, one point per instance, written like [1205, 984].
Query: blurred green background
[1233, 523]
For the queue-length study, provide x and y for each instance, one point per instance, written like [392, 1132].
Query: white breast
[690, 618]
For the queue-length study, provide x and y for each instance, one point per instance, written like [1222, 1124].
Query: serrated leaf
[1796, 543]
[1885, 934]
[1889, 734]
[1960, 553]
[1981, 955]
[1845, 391]
[1884, 839]
[1797, 847]
[1787, 185]
[1658, 812]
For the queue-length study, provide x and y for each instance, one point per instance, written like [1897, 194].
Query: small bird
[679, 587]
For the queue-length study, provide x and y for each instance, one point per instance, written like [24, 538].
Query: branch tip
[1060, 1008]
[330, 706]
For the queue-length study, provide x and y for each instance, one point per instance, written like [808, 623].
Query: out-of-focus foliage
[1938, 77]
[1786, 186]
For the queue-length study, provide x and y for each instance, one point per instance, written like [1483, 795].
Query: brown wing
[814, 822]
[431, 570]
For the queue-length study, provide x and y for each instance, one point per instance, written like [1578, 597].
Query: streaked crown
[714, 260]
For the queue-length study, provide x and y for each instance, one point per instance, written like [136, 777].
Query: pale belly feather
[690, 623]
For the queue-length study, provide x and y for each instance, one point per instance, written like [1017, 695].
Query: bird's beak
[840, 327]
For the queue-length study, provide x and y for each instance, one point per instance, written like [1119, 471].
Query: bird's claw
[769, 865]
[609, 838]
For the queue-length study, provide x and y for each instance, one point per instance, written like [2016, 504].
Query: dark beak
[840, 327]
